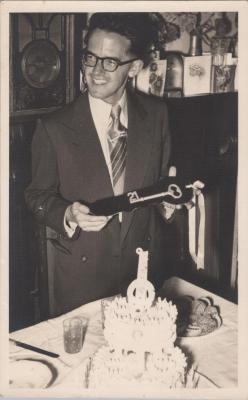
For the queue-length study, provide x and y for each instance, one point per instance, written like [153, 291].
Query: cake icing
[110, 368]
[137, 326]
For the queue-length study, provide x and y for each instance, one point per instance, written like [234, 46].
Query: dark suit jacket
[68, 165]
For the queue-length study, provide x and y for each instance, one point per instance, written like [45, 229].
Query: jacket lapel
[138, 152]
[82, 133]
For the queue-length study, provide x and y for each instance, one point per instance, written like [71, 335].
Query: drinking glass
[74, 330]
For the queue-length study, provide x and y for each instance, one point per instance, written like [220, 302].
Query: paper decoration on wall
[197, 75]
[151, 80]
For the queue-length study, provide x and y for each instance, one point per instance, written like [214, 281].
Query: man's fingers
[172, 171]
[95, 226]
[82, 211]
[168, 205]
[92, 226]
[86, 221]
[78, 207]
[91, 218]
[189, 205]
[92, 223]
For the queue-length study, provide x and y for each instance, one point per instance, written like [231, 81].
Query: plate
[196, 317]
[30, 372]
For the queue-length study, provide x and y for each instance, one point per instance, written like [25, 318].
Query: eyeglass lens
[108, 64]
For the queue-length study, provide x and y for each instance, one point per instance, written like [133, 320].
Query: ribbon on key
[197, 228]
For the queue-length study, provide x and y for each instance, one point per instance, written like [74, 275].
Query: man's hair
[137, 27]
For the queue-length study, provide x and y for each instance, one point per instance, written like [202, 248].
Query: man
[74, 155]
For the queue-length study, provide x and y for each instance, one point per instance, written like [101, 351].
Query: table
[215, 355]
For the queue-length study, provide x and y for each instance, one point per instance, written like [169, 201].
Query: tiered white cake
[140, 333]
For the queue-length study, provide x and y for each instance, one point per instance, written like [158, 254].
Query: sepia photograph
[120, 216]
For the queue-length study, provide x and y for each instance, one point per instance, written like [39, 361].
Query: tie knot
[115, 111]
[116, 129]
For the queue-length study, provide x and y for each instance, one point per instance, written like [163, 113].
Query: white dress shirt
[100, 111]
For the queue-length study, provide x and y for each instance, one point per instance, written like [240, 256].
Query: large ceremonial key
[169, 189]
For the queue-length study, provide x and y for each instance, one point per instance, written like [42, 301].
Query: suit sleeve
[42, 195]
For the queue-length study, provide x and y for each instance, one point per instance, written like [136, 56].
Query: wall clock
[45, 60]
[40, 63]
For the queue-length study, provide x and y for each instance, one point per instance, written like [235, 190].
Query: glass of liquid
[74, 330]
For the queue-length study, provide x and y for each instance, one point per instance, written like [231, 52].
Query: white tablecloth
[214, 355]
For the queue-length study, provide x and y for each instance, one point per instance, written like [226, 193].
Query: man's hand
[166, 209]
[80, 214]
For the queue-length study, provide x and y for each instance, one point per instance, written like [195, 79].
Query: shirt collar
[105, 108]
[123, 104]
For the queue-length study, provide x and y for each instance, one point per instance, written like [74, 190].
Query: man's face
[108, 86]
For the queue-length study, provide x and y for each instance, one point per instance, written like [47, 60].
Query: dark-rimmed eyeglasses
[108, 64]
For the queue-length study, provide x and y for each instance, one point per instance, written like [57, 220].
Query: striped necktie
[117, 141]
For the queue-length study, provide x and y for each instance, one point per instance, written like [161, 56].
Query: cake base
[111, 369]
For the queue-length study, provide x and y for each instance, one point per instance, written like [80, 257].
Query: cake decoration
[140, 333]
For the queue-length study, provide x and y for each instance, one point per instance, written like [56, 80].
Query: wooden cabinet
[204, 146]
